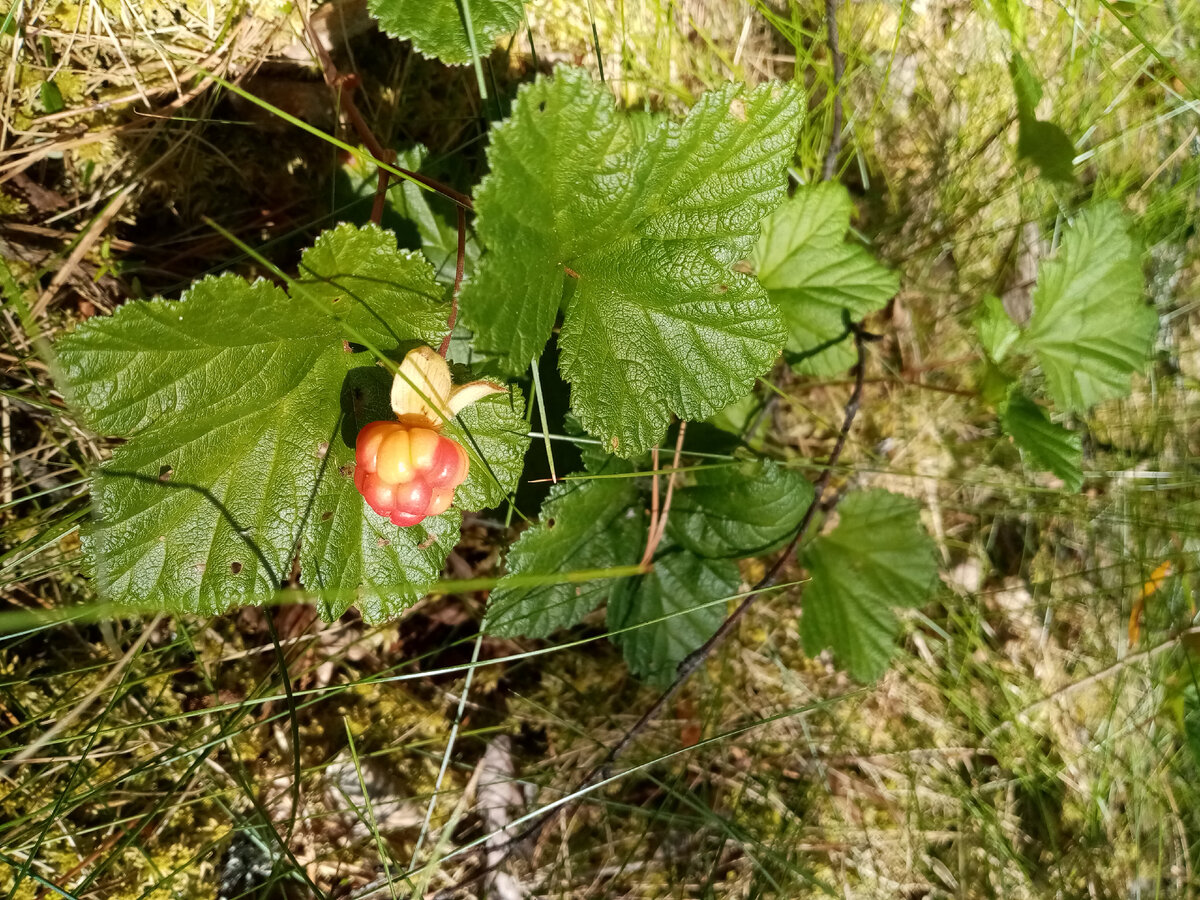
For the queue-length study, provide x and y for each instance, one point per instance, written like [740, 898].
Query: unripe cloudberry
[407, 470]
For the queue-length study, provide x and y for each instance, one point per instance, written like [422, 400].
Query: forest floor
[1038, 734]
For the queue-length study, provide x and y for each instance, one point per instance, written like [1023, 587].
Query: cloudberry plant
[232, 401]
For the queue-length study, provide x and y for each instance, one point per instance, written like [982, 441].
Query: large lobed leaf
[684, 592]
[805, 263]
[878, 557]
[585, 524]
[437, 28]
[241, 405]
[634, 238]
[1091, 330]
[736, 511]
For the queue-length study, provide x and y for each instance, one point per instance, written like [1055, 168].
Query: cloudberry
[407, 470]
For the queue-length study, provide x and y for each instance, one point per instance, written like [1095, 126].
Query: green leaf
[1044, 144]
[437, 28]
[358, 273]
[656, 322]
[736, 511]
[682, 586]
[997, 332]
[1090, 329]
[595, 524]
[994, 384]
[806, 265]
[496, 436]
[241, 407]
[52, 99]
[1050, 446]
[878, 557]
[1048, 147]
[828, 346]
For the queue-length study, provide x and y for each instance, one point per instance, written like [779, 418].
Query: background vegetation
[1038, 735]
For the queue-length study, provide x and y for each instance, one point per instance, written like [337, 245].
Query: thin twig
[459, 265]
[381, 187]
[693, 661]
[87, 240]
[666, 509]
[649, 552]
[835, 53]
[343, 87]
[658, 518]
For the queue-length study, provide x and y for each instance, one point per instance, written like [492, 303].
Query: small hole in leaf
[550, 523]
[235, 567]
[347, 470]
[165, 473]
[326, 516]
[542, 106]
[322, 449]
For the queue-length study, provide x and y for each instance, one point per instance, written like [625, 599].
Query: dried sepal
[422, 387]
[465, 394]
[423, 393]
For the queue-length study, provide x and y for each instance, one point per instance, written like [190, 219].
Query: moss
[11, 206]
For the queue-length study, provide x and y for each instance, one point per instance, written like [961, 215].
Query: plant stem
[835, 53]
[658, 520]
[459, 265]
[693, 660]
[344, 87]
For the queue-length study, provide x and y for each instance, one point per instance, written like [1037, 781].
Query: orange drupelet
[407, 472]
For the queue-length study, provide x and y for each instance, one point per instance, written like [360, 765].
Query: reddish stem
[658, 520]
[344, 86]
[380, 197]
